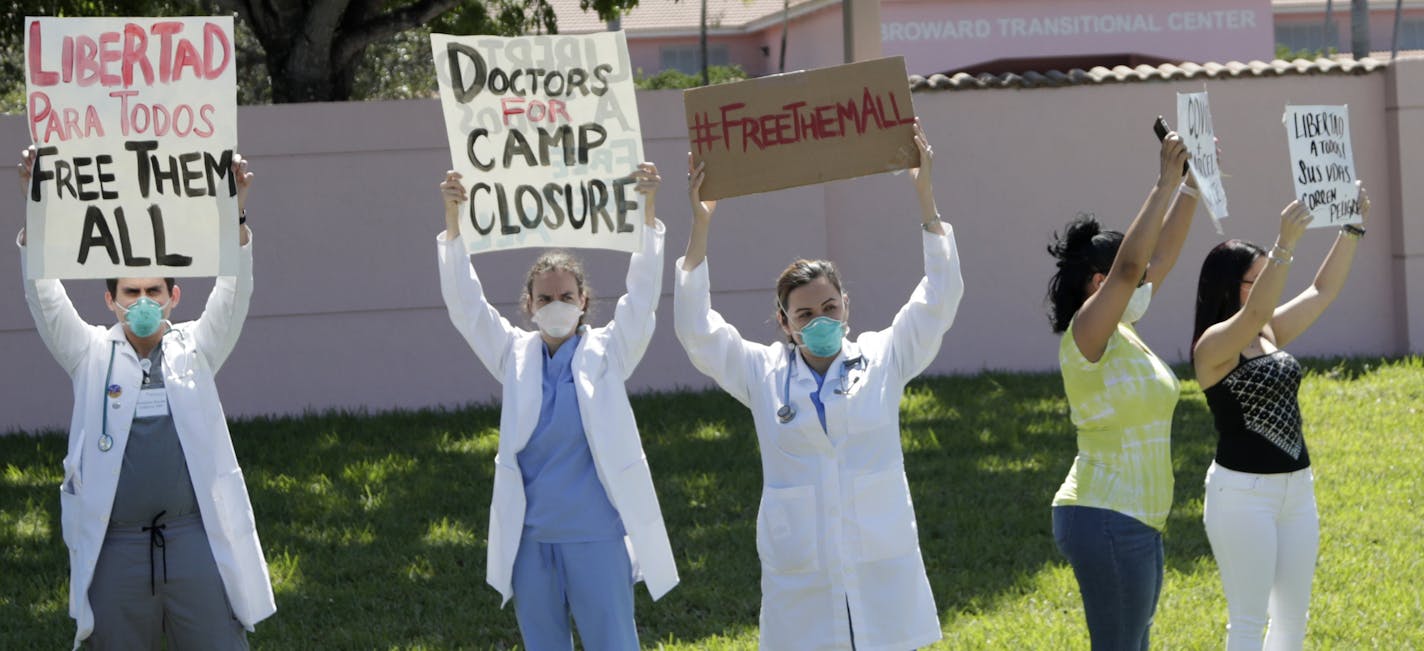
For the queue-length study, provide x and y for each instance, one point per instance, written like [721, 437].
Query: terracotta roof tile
[1164, 72]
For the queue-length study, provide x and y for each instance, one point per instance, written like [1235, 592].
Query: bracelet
[1280, 255]
[926, 226]
[1352, 230]
[1189, 190]
[242, 218]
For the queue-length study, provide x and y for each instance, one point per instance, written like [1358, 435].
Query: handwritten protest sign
[802, 128]
[135, 123]
[1322, 163]
[1194, 125]
[545, 131]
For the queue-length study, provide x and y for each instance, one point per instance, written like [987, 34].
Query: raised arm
[217, 329]
[1298, 314]
[636, 315]
[1174, 234]
[1097, 319]
[714, 346]
[488, 334]
[61, 329]
[919, 326]
[1215, 352]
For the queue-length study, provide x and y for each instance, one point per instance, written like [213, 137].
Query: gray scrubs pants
[185, 602]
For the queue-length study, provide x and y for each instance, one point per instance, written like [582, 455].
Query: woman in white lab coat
[836, 533]
[574, 518]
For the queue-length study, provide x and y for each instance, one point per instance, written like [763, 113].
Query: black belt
[156, 539]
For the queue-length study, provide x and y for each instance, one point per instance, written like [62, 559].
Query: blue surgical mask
[143, 317]
[822, 336]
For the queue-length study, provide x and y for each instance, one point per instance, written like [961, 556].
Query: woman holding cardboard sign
[1109, 513]
[836, 534]
[1260, 499]
[573, 502]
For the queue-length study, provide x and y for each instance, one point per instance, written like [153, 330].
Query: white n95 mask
[557, 319]
[1141, 298]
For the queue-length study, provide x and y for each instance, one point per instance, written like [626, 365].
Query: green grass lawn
[374, 525]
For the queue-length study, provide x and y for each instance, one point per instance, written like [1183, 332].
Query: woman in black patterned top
[1260, 503]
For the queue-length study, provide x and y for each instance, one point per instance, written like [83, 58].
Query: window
[1411, 34]
[1306, 36]
[687, 58]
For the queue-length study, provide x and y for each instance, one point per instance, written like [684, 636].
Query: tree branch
[350, 42]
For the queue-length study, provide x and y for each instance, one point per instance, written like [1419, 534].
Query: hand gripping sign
[134, 121]
[1322, 163]
[545, 132]
[802, 128]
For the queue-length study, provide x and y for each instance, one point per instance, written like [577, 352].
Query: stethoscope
[787, 412]
[106, 442]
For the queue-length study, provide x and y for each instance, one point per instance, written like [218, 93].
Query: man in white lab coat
[153, 505]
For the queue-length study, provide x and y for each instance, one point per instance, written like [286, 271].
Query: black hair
[113, 284]
[1219, 286]
[1082, 250]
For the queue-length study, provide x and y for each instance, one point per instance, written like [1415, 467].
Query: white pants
[1264, 533]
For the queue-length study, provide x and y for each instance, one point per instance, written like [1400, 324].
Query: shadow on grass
[374, 525]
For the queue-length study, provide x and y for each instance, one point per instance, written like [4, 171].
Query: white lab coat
[605, 358]
[836, 530]
[193, 351]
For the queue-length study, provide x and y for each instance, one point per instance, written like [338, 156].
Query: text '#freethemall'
[797, 122]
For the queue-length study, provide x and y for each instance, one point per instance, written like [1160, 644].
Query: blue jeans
[1118, 562]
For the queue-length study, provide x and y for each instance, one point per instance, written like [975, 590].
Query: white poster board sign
[1322, 163]
[135, 124]
[1195, 127]
[544, 130]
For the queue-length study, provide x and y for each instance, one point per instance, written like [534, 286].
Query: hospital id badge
[152, 402]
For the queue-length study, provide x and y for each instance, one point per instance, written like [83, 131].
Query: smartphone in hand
[1161, 129]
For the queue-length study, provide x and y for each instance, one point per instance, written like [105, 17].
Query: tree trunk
[1329, 28]
[702, 41]
[315, 46]
[1360, 28]
[1394, 40]
[785, 27]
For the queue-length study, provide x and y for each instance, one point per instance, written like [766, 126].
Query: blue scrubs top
[564, 500]
[816, 398]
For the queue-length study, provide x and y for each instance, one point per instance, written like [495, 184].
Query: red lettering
[178, 126]
[86, 61]
[39, 110]
[92, 125]
[165, 31]
[206, 115]
[123, 96]
[214, 35]
[109, 54]
[511, 106]
[136, 52]
[558, 108]
[38, 75]
[187, 57]
[727, 124]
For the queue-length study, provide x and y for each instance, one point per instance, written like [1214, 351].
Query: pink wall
[347, 312]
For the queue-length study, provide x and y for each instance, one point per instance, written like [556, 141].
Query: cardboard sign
[802, 128]
[545, 131]
[1322, 163]
[1194, 126]
[135, 121]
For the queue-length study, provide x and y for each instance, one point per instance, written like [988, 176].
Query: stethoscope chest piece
[106, 443]
[786, 414]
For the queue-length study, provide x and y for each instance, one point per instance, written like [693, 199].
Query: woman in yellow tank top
[1108, 515]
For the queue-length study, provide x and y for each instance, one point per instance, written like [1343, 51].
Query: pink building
[992, 35]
